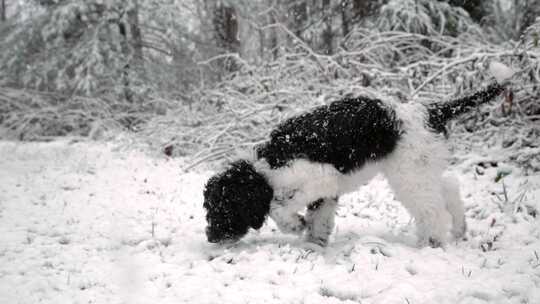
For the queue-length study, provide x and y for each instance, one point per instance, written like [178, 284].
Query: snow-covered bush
[407, 67]
[32, 115]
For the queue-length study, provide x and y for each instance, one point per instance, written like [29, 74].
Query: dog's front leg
[285, 214]
[320, 220]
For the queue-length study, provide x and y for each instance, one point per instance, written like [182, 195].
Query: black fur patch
[235, 200]
[345, 133]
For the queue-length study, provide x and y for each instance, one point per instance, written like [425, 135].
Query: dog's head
[236, 200]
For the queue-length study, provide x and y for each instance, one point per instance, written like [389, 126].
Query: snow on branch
[240, 111]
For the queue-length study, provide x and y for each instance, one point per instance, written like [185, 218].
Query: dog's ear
[225, 223]
[254, 194]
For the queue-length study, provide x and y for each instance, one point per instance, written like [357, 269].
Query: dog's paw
[320, 241]
[312, 246]
[434, 243]
[295, 224]
[459, 230]
[430, 241]
[298, 225]
[283, 196]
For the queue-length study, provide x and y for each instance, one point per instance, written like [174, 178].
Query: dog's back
[345, 133]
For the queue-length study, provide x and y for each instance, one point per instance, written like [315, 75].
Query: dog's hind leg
[454, 205]
[320, 220]
[423, 200]
[415, 178]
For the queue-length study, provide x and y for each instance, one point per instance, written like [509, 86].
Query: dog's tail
[440, 113]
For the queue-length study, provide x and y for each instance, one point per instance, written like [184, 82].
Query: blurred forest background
[202, 78]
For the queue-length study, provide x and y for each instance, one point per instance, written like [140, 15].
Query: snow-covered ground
[92, 223]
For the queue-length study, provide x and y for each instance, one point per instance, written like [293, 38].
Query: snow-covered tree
[424, 17]
[82, 47]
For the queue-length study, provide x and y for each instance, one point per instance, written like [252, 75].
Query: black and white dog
[312, 159]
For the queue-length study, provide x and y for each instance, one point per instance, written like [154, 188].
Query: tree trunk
[364, 8]
[225, 21]
[128, 93]
[355, 11]
[328, 36]
[274, 37]
[476, 8]
[530, 10]
[135, 29]
[132, 48]
[300, 16]
[345, 26]
[3, 14]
